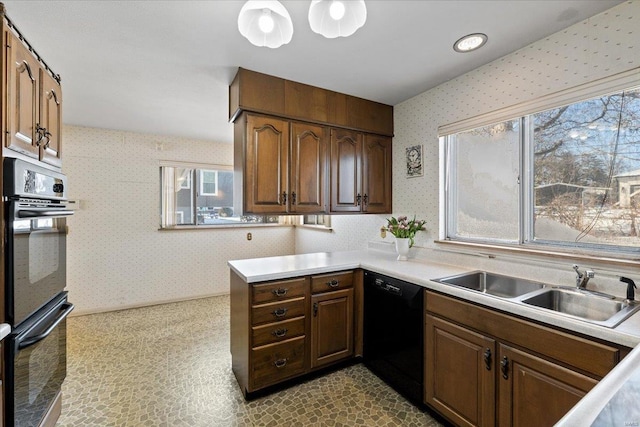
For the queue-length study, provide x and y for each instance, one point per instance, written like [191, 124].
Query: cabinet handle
[505, 367]
[365, 199]
[333, 283]
[487, 359]
[293, 198]
[280, 332]
[281, 312]
[280, 292]
[358, 199]
[315, 309]
[40, 134]
[284, 198]
[280, 363]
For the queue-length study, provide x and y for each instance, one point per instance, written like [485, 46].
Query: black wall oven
[36, 304]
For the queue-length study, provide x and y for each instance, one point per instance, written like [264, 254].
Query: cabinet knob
[504, 366]
[358, 199]
[487, 359]
[280, 363]
[333, 283]
[280, 332]
[284, 198]
[365, 199]
[281, 312]
[280, 292]
[293, 198]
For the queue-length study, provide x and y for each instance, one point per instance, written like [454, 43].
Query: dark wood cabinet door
[267, 160]
[346, 174]
[331, 327]
[536, 392]
[459, 373]
[309, 152]
[51, 119]
[376, 174]
[22, 98]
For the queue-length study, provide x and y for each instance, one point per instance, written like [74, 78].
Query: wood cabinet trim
[255, 92]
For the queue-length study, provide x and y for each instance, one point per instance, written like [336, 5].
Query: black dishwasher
[394, 333]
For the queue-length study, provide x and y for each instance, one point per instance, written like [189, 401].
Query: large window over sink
[567, 176]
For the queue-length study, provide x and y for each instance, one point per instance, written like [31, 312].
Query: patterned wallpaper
[117, 258]
[601, 46]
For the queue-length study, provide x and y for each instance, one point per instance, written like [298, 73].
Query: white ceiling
[163, 67]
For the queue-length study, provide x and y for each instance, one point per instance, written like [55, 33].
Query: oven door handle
[29, 213]
[68, 308]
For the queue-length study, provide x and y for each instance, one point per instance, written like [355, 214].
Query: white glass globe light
[336, 18]
[265, 23]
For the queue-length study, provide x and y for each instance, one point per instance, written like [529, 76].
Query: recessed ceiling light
[470, 42]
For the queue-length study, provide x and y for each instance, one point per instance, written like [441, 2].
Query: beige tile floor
[169, 365]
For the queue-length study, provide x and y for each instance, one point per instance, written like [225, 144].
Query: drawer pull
[333, 283]
[280, 363]
[487, 359]
[280, 332]
[281, 312]
[280, 292]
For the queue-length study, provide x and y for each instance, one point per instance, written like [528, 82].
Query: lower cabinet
[486, 368]
[286, 328]
[331, 327]
[534, 391]
[459, 376]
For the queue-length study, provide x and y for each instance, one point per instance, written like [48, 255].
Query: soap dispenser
[630, 288]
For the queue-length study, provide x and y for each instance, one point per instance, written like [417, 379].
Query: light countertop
[421, 272]
[613, 400]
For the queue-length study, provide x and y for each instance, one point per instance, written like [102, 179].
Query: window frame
[267, 220]
[627, 81]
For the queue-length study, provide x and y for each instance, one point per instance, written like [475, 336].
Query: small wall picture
[414, 161]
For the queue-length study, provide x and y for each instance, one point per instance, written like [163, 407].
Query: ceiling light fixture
[470, 42]
[265, 23]
[335, 18]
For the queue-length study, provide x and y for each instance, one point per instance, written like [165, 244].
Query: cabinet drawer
[276, 332]
[331, 282]
[277, 291]
[276, 362]
[276, 311]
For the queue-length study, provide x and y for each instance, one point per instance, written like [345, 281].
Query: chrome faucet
[582, 278]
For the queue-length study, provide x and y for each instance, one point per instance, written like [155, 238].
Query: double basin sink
[581, 304]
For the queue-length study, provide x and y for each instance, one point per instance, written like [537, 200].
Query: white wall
[601, 46]
[116, 256]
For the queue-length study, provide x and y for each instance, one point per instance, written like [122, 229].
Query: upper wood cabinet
[360, 172]
[262, 93]
[283, 165]
[34, 105]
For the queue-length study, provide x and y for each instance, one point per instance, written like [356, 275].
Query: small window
[316, 220]
[201, 195]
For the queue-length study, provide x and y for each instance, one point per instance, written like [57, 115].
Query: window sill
[315, 227]
[494, 250]
[218, 227]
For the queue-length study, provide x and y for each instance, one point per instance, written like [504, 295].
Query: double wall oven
[36, 305]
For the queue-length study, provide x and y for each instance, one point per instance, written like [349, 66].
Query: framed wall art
[414, 161]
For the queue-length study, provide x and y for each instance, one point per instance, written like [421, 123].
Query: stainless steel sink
[583, 305]
[493, 284]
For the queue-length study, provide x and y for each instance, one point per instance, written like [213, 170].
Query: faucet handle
[590, 274]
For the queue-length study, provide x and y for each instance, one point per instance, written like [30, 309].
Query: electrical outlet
[383, 232]
[249, 236]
